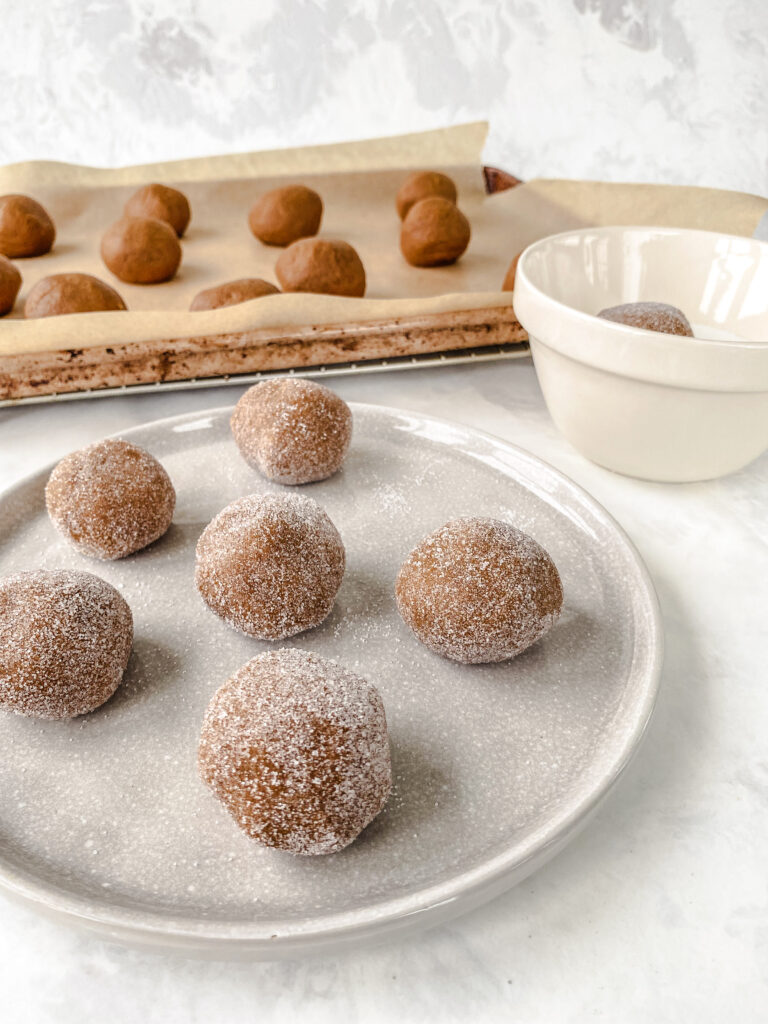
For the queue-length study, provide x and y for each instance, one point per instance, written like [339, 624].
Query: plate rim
[432, 903]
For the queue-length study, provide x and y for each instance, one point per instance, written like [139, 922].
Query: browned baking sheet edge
[487, 353]
[267, 348]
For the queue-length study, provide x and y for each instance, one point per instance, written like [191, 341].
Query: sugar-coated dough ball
[434, 233]
[232, 293]
[478, 590]
[141, 250]
[110, 499]
[162, 203]
[296, 748]
[270, 565]
[65, 640]
[422, 185]
[293, 431]
[10, 282]
[651, 316]
[318, 265]
[60, 294]
[26, 228]
[286, 214]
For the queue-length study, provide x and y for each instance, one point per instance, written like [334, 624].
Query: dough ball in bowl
[26, 228]
[110, 499]
[318, 265]
[160, 202]
[478, 590]
[270, 565]
[232, 293]
[293, 431]
[296, 748]
[286, 214]
[141, 250]
[434, 233]
[60, 294]
[65, 640]
[10, 282]
[423, 185]
[650, 316]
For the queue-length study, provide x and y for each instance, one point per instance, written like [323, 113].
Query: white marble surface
[635, 90]
[656, 912]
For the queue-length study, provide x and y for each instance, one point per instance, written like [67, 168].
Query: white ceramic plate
[103, 820]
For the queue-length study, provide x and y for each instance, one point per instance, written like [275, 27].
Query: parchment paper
[358, 182]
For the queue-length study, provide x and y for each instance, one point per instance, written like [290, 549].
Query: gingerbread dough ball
[286, 214]
[509, 278]
[232, 293]
[160, 202]
[110, 499]
[65, 640]
[141, 250]
[434, 233]
[478, 590]
[317, 265]
[70, 293]
[422, 185]
[296, 748]
[26, 228]
[270, 565]
[10, 282]
[651, 316]
[293, 431]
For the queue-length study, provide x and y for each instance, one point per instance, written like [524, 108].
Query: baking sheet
[358, 182]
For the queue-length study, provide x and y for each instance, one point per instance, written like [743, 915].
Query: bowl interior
[719, 281]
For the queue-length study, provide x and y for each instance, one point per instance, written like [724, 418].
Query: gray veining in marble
[644, 90]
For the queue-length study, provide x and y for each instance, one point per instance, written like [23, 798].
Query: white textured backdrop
[646, 90]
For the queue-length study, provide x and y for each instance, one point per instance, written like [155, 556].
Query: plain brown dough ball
[286, 214]
[60, 294]
[65, 640]
[296, 748]
[160, 202]
[232, 293]
[422, 185]
[293, 431]
[110, 499]
[270, 565]
[478, 590]
[317, 265]
[434, 233]
[10, 282]
[26, 228]
[651, 316]
[141, 250]
[508, 284]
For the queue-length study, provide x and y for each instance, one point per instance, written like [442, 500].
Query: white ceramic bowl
[651, 405]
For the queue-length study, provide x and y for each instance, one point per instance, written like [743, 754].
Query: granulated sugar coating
[651, 316]
[478, 590]
[65, 640]
[293, 431]
[110, 499]
[270, 565]
[296, 748]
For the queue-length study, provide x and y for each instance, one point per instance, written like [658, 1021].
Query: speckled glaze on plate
[104, 822]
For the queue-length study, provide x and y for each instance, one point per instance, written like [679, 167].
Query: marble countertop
[657, 911]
